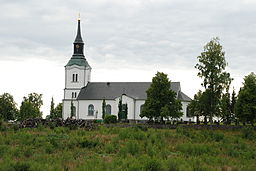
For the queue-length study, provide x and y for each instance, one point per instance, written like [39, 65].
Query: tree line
[29, 108]
[214, 102]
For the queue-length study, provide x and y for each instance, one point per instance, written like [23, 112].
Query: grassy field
[126, 149]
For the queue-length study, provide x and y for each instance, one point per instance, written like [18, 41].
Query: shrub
[3, 126]
[21, 166]
[153, 165]
[248, 133]
[110, 119]
[88, 143]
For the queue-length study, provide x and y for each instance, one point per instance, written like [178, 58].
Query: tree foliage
[194, 106]
[103, 108]
[245, 107]
[52, 112]
[233, 102]
[55, 112]
[58, 111]
[30, 106]
[122, 110]
[72, 110]
[161, 101]
[225, 108]
[8, 107]
[125, 111]
[211, 66]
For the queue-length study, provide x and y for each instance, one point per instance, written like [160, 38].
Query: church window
[108, 109]
[74, 94]
[75, 78]
[90, 110]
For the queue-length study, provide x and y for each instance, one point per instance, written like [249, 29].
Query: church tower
[77, 75]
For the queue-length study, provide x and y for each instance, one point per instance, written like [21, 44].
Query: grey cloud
[133, 33]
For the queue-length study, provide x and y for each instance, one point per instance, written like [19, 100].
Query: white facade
[76, 77]
[134, 108]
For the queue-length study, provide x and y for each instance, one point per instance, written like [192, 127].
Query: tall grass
[135, 148]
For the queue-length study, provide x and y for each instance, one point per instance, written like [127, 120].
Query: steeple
[78, 43]
[78, 54]
[78, 34]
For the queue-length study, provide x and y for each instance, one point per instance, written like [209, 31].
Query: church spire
[78, 57]
[78, 34]
[78, 43]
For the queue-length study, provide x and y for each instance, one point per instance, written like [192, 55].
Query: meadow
[135, 148]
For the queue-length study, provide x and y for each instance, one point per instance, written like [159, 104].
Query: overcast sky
[125, 40]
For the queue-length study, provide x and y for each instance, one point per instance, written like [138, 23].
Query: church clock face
[77, 46]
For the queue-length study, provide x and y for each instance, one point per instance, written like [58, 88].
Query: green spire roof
[78, 60]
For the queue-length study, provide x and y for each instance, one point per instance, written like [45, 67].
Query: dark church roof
[112, 90]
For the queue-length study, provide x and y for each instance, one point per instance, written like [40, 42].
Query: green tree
[55, 112]
[120, 109]
[125, 111]
[8, 107]
[233, 103]
[194, 107]
[58, 111]
[161, 101]
[103, 108]
[225, 108]
[245, 107]
[211, 66]
[30, 106]
[52, 111]
[72, 110]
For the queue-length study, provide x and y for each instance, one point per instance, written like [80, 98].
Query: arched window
[108, 109]
[141, 107]
[90, 110]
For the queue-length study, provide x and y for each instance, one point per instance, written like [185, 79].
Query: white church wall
[184, 111]
[88, 75]
[130, 102]
[74, 69]
[84, 104]
[138, 104]
[68, 93]
[67, 108]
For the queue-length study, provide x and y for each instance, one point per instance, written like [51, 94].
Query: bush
[88, 143]
[248, 133]
[21, 166]
[110, 119]
[153, 165]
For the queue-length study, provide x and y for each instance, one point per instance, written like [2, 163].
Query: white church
[86, 97]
